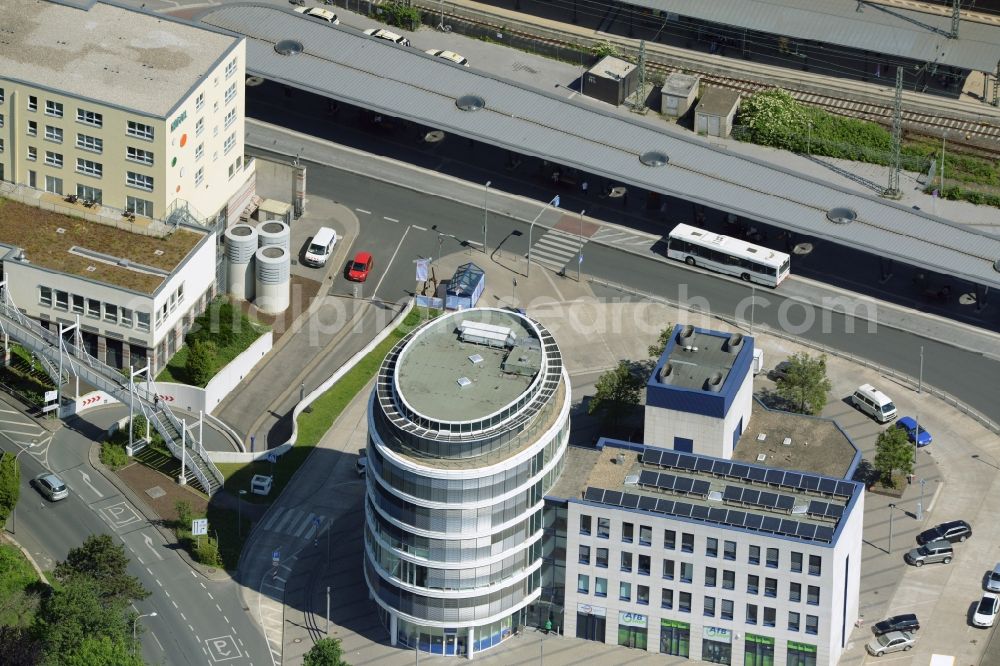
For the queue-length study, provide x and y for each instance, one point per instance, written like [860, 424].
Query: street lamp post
[135, 622]
[579, 259]
[239, 513]
[486, 210]
[920, 380]
[554, 202]
[892, 508]
[920, 504]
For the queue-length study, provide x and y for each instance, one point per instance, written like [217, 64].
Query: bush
[10, 486]
[113, 455]
[606, 48]
[184, 515]
[206, 551]
[200, 364]
[399, 15]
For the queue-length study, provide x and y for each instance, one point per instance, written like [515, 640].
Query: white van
[321, 247]
[874, 403]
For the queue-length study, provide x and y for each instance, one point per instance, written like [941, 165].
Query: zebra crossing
[554, 249]
[294, 523]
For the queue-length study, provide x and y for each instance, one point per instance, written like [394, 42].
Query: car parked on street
[894, 641]
[51, 486]
[993, 579]
[929, 553]
[319, 13]
[986, 610]
[382, 33]
[909, 424]
[953, 530]
[359, 267]
[907, 622]
[450, 56]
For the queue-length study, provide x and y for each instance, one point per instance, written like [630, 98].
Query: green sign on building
[675, 624]
[763, 640]
[804, 647]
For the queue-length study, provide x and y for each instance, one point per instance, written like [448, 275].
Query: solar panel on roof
[739, 471]
[809, 482]
[834, 511]
[827, 486]
[613, 497]
[686, 462]
[594, 494]
[771, 524]
[824, 533]
[789, 526]
[816, 508]
[704, 464]
[753, 520]
[756, 474]
[630, 501]
[682, 509]
[665, 506]
[700, 487]
[844, 489]
[647, 478]
[722, 467]
[668, 459]
[732, 494]
[774, 476]
[651, 457]
[647, 503]
[786, 502]
[792, 479]
[768, 500]
[666, 481]
[717, 515]
[751, 496]
[806, 530]
[683, 484]
[699, 511]
[736, 518]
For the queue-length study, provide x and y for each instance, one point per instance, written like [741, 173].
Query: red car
[359, 268]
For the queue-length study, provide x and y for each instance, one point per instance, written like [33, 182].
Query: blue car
[909, 424]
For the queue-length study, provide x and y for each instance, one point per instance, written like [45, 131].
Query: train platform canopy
[884, 29]
[344, 64]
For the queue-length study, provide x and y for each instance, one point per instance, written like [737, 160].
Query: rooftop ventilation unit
[685, 335]
[620, 458]
[666, 375]
[476, 359]
[761, 437]
[787, 441]
[464, 381]
[761, 457]
[632, 479]
[714, 382]
[60, 230]
[734, 343]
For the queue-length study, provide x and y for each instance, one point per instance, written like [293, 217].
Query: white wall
[197, 274]
[230, 376]
[741, 408]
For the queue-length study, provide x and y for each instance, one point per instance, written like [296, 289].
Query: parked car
[929, 553]
[359, 268]
[894, 641]
[51, 486]
[319, 13]
[382, 33]
[449, 55]
[993, 579]
[909, 424]
[953, 530]
[986, 611]
[907, 622]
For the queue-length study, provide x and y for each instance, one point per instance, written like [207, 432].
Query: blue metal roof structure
[344, 64]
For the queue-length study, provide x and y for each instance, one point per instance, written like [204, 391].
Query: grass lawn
[17, 577]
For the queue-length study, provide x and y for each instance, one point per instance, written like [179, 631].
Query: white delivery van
[874, 403]
[321, 247]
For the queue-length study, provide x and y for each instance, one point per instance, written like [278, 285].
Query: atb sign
[50, 401]
[199, 527]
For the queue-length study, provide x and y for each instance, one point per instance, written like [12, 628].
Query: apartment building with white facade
[467, 427]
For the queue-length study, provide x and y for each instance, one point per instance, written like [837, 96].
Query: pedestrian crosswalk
[294, 523]
[554, 249]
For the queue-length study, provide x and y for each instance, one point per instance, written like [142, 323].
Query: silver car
[993, 579]
[935, 551]
[51, 486]
[894, 641]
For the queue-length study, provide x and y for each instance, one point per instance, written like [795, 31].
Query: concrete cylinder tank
[241, 244]
[273, 283]
[274, 232]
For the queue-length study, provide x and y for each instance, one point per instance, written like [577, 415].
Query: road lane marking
[149, 544]
[273, 517]
[362, 210]
[86, 479]
[226, 619]
[417, 226]
[210, 596]
[390, 219]
[153, 634]
[175, 604]
[219, 608]
[184, 617]
[391, 259]
[305, 523]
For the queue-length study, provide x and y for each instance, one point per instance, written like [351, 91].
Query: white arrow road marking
[86, 479]
[149, 544]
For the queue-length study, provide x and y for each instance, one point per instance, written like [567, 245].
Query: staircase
[48, 347]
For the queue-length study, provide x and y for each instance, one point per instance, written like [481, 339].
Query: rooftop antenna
[640, 102]
[956, 7]
[892, 191]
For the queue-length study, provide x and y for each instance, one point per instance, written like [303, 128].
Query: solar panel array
[761, 498]
[678, 484]
[731, 517]
[742, 472]
[819, 509]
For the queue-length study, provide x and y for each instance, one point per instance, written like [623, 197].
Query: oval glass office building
[468, 424]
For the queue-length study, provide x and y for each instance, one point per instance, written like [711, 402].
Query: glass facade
[675, 638]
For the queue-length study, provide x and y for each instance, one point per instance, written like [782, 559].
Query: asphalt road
[197, 621]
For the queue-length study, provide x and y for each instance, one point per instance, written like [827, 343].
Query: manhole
[841, 215]
[288, 47]
[654, 158]
[470, 102]
[156, 492]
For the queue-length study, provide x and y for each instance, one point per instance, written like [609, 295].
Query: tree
[656, 350]
[893, 451]
[19, 647]
[805, 385]
[773, 118]
[10, 486]
[75, 611]
[616, 392]
[326, 652]
[100, 560]
[102, 651]
[200, 363]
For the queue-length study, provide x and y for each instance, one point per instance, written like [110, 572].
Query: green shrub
[399, 15]
[10, 485]
[200, 364]
[206, 551]
[606, 48]
[184, 515]
[113, 455]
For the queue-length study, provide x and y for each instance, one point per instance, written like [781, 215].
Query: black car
[907, 622]
[954, 530]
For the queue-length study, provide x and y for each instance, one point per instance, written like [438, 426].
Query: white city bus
[749, 262]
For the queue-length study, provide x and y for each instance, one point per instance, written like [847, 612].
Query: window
[754, 557]
[770, 587]
[585, 525]
[199, 101]
[199, 176]
[54, 109]
[627, 532]
[53, 159]
[32, 153]
[812, 624]
[711, 547]
[32, 103]
[139, 206]
[687, 542]
[142, 321]
[603, 528]
[111, 313]
[199, 127]
[727, 609]
[753, 584]
[45, 296]
[77, 304]
[625, 591]
[89, 118]
[769, 616]
[602, 558]
[126, 318]
[199, 152]
[772, 558]
[139, 130]
[230, 68]
[795, 592]
[89, 167]
[32, 128]
[583, 584]
[229, 144]
[230, 93]
[584, 554]
[53, 185]
[645, 535]
[812, 595]
[796, 562]
[93, 308]
[642, 595]
[600, 587]
[666, 598]
[1, 95]
[669, 539]
[709, 607]
[51, 133]
[139, 180]
[793, 621]
[710, 575]
[644, 565]
[62, 300]
[89, 193]
[1, 145]
[230, 118]
[684, 602]
[728, 579]
[815, 565]
[668, 569]
[751, 613]
[687, 572]
[626, 561]
[139, 155]
[91, 143]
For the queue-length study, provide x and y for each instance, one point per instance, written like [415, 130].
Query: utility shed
[611, 80]
[715, 112]
[678, 94]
